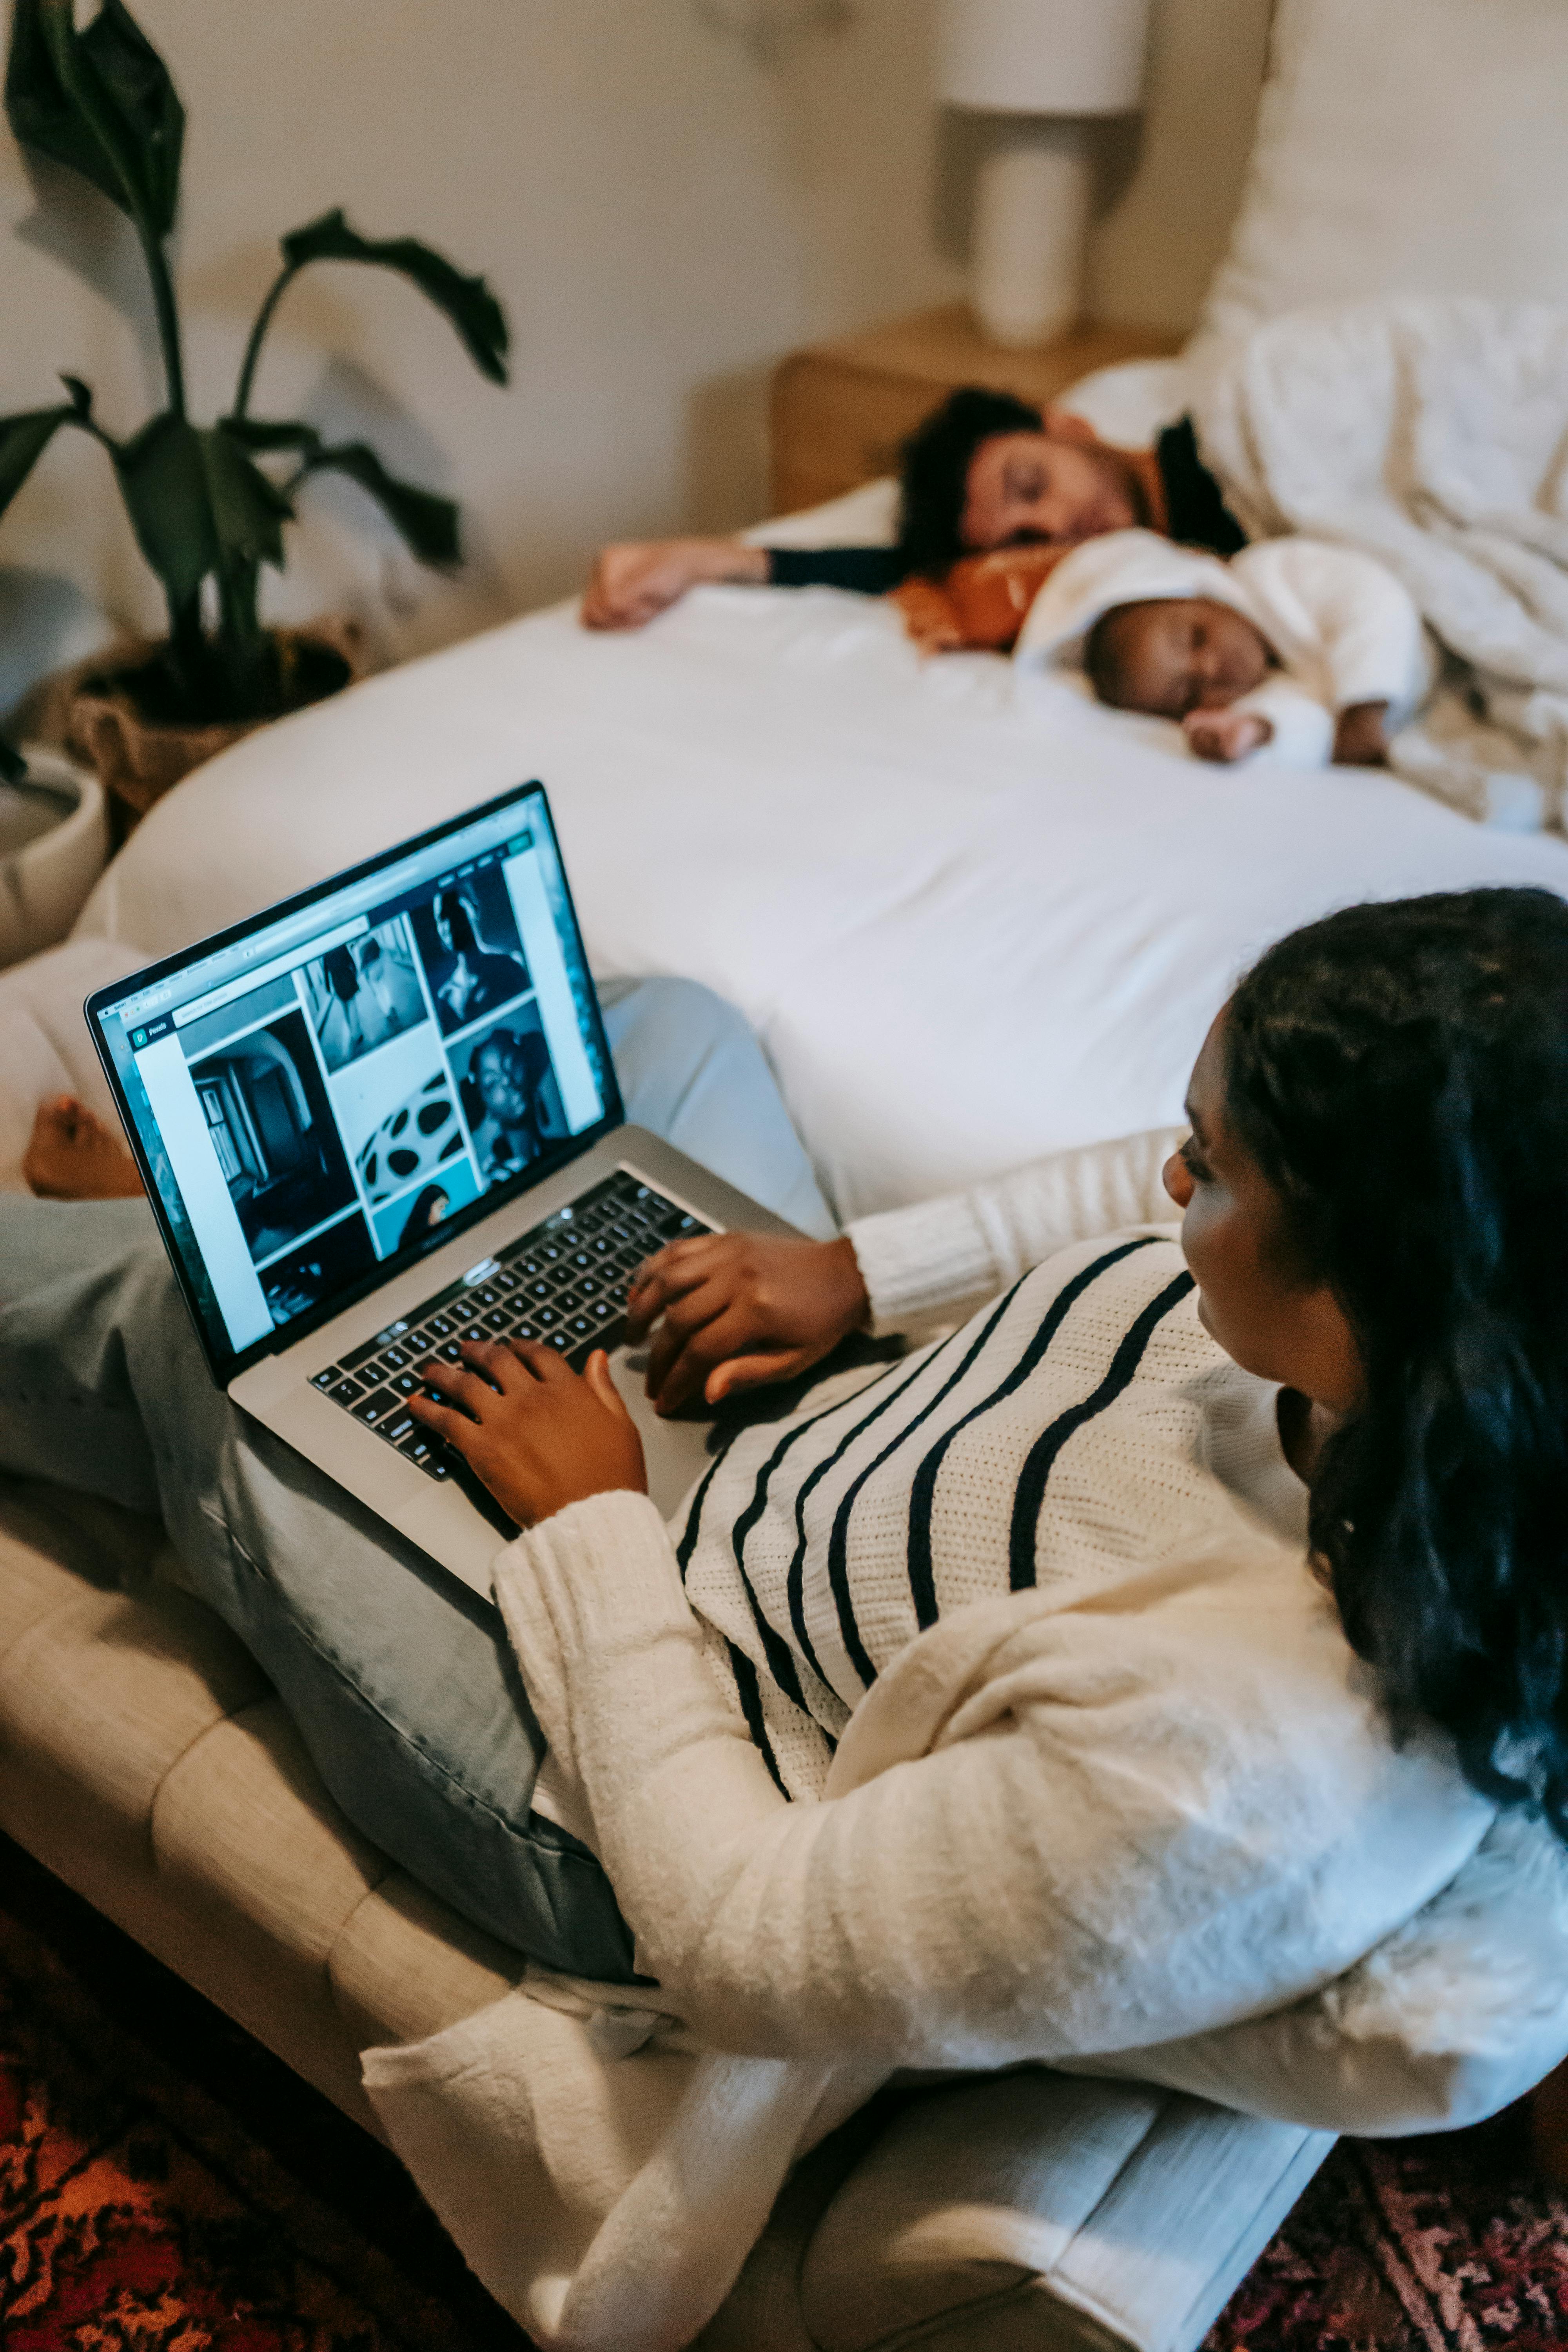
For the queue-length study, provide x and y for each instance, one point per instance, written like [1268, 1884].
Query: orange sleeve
[982, 602]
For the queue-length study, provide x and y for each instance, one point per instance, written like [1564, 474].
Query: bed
[974, 918]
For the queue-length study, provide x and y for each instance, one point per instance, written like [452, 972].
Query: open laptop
[382, 1118]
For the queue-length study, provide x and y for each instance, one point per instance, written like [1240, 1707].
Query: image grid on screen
[331, 1111]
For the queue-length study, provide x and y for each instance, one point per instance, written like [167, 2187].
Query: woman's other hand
[538, 1434]
[739, 1309]
[634, 582]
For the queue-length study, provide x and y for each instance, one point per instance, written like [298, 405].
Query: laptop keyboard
[563, 1282]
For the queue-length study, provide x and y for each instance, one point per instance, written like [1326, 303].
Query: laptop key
[345, 1391]
[398, 1425]
[498, 1321]
[406, 1384]
[373, 1410]
[325, 1379]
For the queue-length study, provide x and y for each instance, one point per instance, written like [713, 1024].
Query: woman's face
[1269, 1318]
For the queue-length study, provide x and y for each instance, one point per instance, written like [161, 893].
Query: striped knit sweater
[1083, 1429]
[1057, 1557]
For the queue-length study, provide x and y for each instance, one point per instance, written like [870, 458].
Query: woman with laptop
[1130, 1661]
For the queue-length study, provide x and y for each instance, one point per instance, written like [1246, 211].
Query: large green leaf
[101, 102]
[428, 523]
[197, 503]
[23, 440]
[467, 303]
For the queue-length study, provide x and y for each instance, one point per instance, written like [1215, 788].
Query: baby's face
[1178, 653]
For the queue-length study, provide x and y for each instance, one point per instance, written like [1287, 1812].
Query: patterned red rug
[165, 2186]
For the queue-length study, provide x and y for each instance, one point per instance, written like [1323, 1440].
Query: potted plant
[207, 502]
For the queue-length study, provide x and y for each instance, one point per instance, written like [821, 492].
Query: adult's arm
[911, 1920]
[867, 571]
[1114, 1825]
[922, 1264]
[636, 580]
[735, 1310]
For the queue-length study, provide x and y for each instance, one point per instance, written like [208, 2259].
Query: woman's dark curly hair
[1400, 1074]
[934, 473]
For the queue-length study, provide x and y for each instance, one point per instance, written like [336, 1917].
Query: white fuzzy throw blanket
[1433, 435]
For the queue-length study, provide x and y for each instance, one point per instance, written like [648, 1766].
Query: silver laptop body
[382, 1116]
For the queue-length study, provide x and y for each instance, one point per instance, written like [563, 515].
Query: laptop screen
[323, 1094]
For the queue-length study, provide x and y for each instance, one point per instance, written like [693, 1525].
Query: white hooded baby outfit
[1344, 629]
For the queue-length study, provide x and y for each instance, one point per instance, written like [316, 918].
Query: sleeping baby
[1315, 651]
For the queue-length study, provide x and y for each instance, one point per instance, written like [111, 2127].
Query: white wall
[664, 212]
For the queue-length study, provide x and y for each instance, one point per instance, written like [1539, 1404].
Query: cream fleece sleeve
[1072, 1857]
[843, 1928]
[924, 1264]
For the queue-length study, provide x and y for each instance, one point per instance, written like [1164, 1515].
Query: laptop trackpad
[676, 1451]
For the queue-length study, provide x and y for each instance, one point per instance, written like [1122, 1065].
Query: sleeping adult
[986, 470]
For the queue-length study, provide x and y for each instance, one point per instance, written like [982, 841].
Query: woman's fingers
[694, 1353]
[683, 1318]
[442, 1420]
[662, 1279]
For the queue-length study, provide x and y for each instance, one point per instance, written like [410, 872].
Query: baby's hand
[1225, 734]
[1361, 736]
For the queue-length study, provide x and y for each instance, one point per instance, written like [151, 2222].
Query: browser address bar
[304, 952]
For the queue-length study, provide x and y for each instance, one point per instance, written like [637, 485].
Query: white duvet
[971, 924]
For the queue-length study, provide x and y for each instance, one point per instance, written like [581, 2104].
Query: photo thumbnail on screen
[272, 1132]
[363, 991]
[509, 1095]
[318, 1269]
[470, 948]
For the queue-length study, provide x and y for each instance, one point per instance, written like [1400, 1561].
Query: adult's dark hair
[935, 472]
[1400, 1074]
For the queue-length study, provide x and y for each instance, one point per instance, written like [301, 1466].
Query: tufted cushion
[1030, 2210]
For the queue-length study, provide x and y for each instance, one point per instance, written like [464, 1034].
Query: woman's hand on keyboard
[538, 1434]
[734, 1310]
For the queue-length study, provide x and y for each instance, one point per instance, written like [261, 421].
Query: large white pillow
[1404, 147]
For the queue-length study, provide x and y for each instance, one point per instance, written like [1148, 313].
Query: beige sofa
[143, 1758]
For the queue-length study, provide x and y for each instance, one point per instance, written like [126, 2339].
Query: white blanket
[1430, 433]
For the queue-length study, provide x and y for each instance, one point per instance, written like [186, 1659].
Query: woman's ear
[1062, 425]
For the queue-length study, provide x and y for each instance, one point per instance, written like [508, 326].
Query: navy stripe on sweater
[1042, 1454]
[922, 1579]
